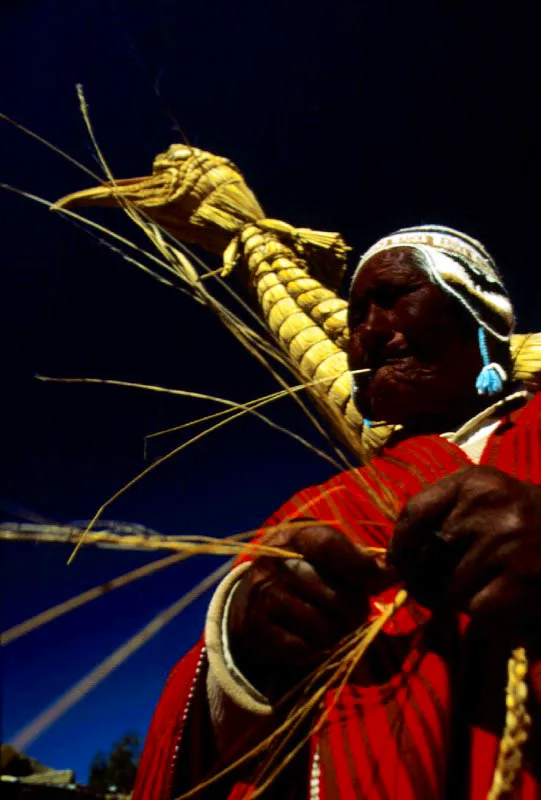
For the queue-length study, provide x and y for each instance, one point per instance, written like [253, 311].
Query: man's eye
[386, 298]
[389, 295]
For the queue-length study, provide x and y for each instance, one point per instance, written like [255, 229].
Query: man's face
[418, 342]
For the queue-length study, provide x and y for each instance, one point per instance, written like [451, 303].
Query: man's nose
[370, 335]
[377, 324]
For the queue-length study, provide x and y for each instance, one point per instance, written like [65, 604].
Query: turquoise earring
[492, 377]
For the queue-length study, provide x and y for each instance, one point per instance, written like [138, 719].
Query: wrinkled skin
[472, 540]
[419, 343]
[286, 615]
[479, 530]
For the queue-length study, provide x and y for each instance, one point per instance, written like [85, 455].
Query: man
[454, 497]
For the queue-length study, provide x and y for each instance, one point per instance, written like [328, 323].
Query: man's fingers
[281, 534]
[300, 618]
[420, 519]
[498, 606]
[307, 582]
[338, 561]
[300, 577]
[482, 562]
[288, 612]
[284, 647]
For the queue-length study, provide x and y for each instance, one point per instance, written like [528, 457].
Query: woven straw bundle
[203, 199]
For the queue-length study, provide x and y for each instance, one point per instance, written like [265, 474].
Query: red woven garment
[409, 726]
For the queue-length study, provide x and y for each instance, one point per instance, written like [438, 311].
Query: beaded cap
[462, 267]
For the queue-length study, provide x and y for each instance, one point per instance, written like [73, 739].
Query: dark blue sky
[359, 117]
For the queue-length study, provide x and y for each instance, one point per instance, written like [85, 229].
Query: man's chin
[375, 413]
[385, 400]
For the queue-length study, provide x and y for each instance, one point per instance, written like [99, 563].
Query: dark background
[353, 116]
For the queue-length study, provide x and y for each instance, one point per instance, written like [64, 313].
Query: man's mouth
[393, 361]
[386, 358]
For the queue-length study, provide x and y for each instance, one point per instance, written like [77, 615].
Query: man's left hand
[474, 539]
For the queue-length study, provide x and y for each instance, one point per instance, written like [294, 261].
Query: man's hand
[474, 538]
[285, 614]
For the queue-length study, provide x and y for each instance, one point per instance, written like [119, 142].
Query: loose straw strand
[44, 720]
[350, 651]
[366, 637]
[15, 632]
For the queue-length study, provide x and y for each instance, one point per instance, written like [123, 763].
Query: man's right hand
[285, 614]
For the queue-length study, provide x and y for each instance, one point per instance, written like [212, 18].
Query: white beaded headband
[460, 266]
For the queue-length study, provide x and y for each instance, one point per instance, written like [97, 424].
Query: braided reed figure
[517, 725]
[432, 389]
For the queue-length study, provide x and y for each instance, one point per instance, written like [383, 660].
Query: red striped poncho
[427, 721]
